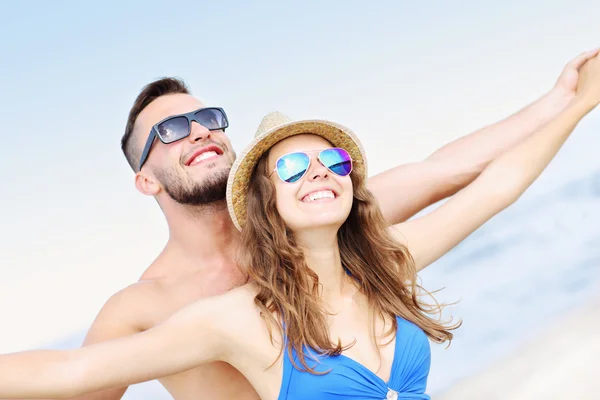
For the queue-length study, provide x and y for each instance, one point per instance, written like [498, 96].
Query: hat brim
[243, 167]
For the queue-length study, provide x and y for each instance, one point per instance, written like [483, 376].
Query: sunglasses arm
[147, 147]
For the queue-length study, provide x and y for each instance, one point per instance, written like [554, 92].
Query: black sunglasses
[177, 127]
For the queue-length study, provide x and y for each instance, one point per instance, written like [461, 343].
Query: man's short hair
[148, 94]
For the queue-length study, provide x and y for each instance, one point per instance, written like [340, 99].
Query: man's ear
[147, 184]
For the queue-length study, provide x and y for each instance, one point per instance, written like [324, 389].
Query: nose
[317, 171]
[198, 133]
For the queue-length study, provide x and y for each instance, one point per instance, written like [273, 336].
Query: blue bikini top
[349, 379]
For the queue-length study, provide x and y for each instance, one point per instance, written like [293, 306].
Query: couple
[331, 309]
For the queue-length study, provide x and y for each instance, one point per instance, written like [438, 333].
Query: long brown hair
[288, 290]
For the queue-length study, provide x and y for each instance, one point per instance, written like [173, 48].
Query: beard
[212, 190]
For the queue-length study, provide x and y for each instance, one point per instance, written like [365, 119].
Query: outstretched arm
[407, 189]
[116, 319]
[502, 182]
[193, 336]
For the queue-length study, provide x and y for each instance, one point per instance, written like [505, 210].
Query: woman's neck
[322, 255]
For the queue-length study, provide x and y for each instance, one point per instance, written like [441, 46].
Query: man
[188, 178]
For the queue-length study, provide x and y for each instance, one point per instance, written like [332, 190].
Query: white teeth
[204, 156]
[323, 194]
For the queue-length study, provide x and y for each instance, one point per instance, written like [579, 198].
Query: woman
[332, 310]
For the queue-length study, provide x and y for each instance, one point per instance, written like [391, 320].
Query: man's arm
[407, 189]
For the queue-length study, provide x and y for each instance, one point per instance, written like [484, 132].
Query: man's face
[193, 170]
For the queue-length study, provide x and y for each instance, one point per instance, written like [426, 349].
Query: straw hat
[274, 128]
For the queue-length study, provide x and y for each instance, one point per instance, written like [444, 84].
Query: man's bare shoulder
[157, 296]
[125, 312]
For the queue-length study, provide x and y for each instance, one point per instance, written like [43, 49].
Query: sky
[407, 77]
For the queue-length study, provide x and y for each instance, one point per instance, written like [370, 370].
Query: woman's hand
[568, 81]
[588, 89]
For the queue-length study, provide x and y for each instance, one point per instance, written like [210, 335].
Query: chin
[211, 169]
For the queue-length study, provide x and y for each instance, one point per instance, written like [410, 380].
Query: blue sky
[406, 76]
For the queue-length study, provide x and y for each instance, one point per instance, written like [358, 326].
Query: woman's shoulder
[219, 311]
[223, 314]
[239, 319]
[236, 302]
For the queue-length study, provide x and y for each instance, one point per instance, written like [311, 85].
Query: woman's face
[320, 198]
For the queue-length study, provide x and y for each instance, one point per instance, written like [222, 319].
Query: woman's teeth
[323, 194]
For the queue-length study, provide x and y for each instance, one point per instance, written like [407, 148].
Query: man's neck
[202, 237]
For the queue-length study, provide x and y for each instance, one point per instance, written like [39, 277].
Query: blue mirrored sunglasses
[293, 166]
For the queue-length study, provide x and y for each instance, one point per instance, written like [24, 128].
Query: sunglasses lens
[292, 167]
[337, 161]
[173, 129]
[212, 119]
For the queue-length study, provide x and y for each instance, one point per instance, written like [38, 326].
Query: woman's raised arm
[501, 183]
